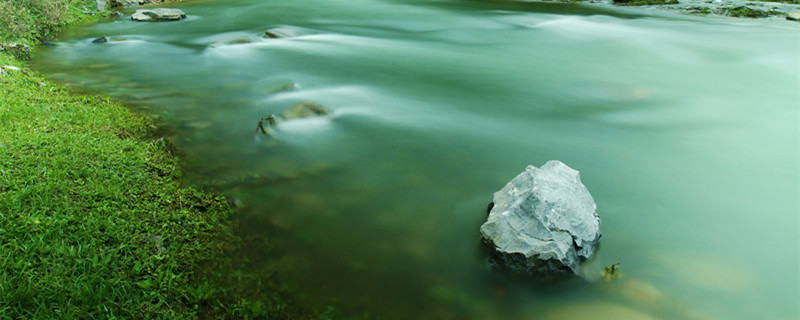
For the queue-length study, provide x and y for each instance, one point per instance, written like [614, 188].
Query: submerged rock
[280, 33]
[289, 86]
[300, 110]
[543, 224]
[229, 41]
[596, 310]
[158, 14]
[102, 39]
[304, 110]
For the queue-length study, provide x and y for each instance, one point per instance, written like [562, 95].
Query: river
[684, 129]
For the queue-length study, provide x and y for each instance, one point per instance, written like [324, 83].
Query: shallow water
[684, 129]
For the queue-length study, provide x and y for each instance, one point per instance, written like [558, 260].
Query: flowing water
[684, 129]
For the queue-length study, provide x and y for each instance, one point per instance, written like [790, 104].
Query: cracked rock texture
[544, 223]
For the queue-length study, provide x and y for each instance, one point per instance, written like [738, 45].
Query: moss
[747, 12]
[644, 2]
[699, 10]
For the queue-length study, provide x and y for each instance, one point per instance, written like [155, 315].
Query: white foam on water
[305, 125]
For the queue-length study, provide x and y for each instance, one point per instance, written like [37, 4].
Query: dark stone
[102, 39]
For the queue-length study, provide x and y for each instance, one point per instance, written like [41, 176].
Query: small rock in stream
[793, 16]
[158, 14]
[280, 33]
[299, 110]
[304, 110]
[102, 39]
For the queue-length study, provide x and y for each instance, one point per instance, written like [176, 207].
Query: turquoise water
[685, 131]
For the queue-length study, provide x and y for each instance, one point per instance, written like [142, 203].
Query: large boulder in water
[543, 223]
[158, 14]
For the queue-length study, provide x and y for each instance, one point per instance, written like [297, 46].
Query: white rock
[543, 224]
[159, 14]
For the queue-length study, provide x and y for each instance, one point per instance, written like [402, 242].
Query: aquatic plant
[611, 272]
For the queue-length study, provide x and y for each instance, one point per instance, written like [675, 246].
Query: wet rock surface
[543, 223]
[304, 110]
[159, 14]
[280, 33]
[297, 111]
[102, 39]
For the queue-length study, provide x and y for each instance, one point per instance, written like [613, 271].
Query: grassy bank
[94, 219]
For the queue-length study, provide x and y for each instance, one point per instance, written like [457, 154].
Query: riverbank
[782, 9]
[95, 221]
[732, 8]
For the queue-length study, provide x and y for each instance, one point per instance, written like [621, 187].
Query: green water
[684, 129]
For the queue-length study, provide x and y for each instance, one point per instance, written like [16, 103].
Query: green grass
[94, 219]
[32, 21]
